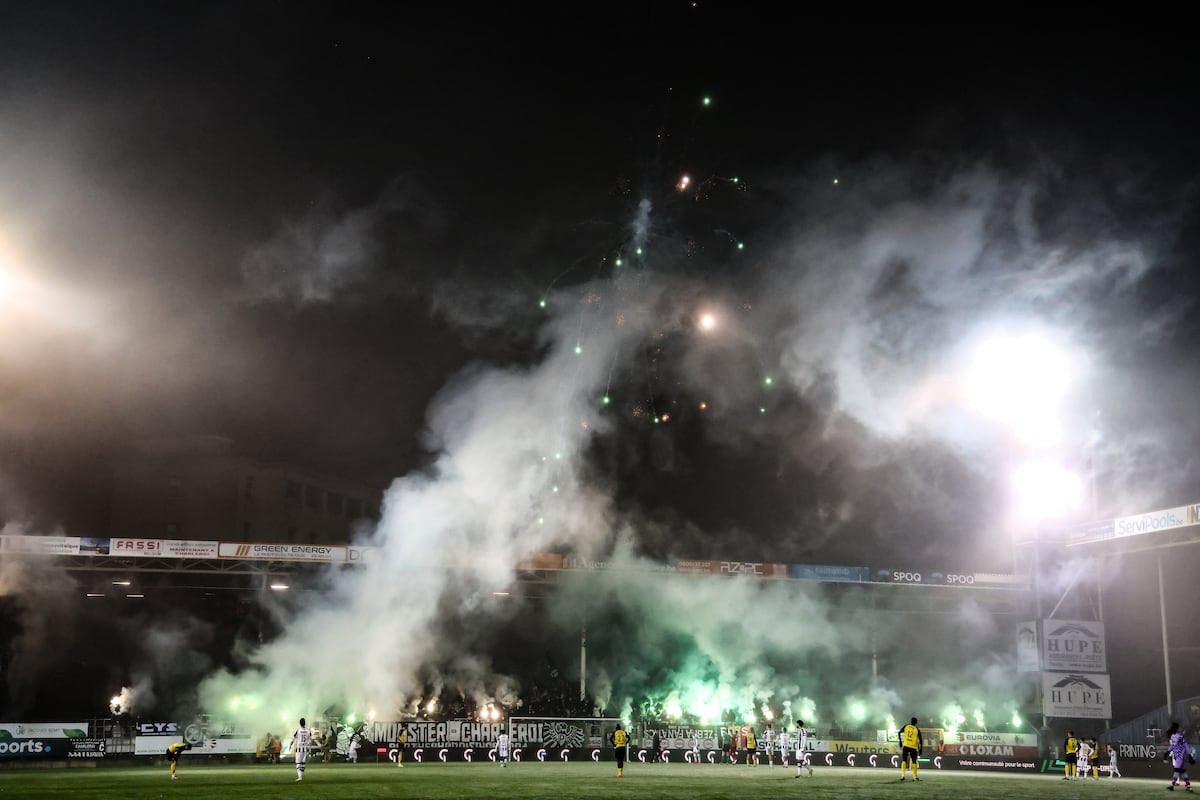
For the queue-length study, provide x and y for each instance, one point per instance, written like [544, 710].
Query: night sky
[306, 226]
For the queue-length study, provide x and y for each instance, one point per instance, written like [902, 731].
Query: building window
[333, 503]
[293, 490]
[312, 496]
[175, 484]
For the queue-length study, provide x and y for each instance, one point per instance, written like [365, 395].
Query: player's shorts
[908, 755]
[1072, 758]
[301, 755]
[502, 753]
[619, 753]
[172, 755]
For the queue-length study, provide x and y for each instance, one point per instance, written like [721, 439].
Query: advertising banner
[1088, 532]
[14, 748]
[85, 748]
[1029, 654]
[829, 574]
[42, 545]
[1076, 696]
[541, 562]
[163, 548]
[1152, 522]
[43, 730]
[282, 552]
[1073, 645]
[92, 546]
[693, 567]
[221, 745]
[991, 745]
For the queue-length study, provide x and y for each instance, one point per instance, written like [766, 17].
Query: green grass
[535, 781]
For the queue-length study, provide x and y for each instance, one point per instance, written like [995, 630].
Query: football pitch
[544, 780]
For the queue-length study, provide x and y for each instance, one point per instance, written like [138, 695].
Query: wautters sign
[1073, 646]
[1076, 696]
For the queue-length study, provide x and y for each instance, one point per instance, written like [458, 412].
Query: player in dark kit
[173, 755]
[620, 740]
[910, 748]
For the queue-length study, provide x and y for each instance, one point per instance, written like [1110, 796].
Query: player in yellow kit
[1070, 755]
[910, 748]
[620, 740]
[173, 753]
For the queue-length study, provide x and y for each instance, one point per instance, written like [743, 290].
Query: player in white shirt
[301, 740]
[801, 747]
[695, 748]
[353, 752]
[785, 746]
[502, 749]
[1082, 756]
[1113, 772]
[768, 743]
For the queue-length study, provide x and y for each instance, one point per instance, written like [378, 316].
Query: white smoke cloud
[867, 307]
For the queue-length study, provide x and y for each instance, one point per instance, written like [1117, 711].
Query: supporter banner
[163, 548]
[41, 545]
[222, 745]
[981, 743]
[1029, 655]
[282, 552]
[829, 574]
[85, 748]
[674, 737]
[13, 748]
[1076, 696]
[1073, 645]
[43, 730]
[467, 733]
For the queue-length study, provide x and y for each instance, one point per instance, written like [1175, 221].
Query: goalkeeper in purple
[1180, 755]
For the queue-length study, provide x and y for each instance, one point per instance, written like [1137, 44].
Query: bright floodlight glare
[707, 321]
[279, 587]
[1044, 490]
[1020, 381]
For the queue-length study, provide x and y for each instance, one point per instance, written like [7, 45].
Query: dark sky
[292, 223]
[441, 161]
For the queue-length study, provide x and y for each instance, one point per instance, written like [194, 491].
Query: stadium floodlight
[1020, 381]
[122, 583]
[1045, 490]
[279, 586]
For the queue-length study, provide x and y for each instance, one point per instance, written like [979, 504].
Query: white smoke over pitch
[872, 302]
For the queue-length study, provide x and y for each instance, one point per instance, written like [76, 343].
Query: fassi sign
[149, 546]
